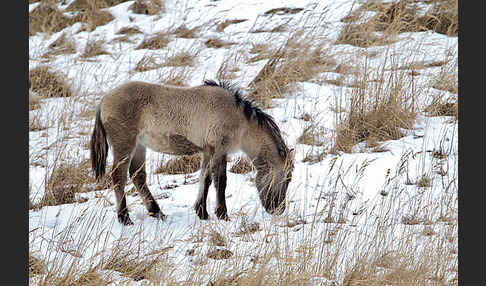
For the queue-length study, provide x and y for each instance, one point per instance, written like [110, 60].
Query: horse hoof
[125, 219]
[202, 215]
[225, 218]
[222, 214]
[158, 215]
[201, 212]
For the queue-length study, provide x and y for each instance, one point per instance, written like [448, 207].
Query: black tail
[98, 147]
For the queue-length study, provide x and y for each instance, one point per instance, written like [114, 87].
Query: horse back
[163, 116]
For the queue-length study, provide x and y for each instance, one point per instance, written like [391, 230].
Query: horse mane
[252, 112]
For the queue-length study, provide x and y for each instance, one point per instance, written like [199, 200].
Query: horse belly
[173, 144]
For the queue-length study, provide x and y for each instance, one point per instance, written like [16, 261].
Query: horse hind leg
[139, 178]
[119, 178]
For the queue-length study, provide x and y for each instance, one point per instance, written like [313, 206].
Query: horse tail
[98, 147]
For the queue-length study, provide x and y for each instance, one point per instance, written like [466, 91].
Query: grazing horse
[213, 119]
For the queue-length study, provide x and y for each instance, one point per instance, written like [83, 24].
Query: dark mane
[253, 112]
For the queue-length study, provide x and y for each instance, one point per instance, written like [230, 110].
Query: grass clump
[440, 107]
[180, 59]
[184, 32]
[361, 35]
[155, 42]
[382, 121]
[146, 63]
[184, 164]
[129, 31]
[135, 268]
[298, 60]
[46, 18]
[242, 166]
[390, 19]
[94, 48]
[34, 101]
[311, 136]
[222, 25]
[442, 18]
[81, 5]
[65, 181]
[36, 266]
[147, 7]
[61, 46]
[216, 43]
[376, 113]
[47, 83]
[94, 18]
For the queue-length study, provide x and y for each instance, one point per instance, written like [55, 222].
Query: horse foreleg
[218, 170]
[205, 180]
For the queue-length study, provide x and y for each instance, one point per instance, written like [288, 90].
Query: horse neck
[257, 144]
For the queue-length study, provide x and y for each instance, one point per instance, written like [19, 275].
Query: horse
[213, 119]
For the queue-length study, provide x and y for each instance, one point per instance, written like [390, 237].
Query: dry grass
[134, 267]
[311, 135]
[298, 60]
[123, 39]
[271, 251]
[296, 254]
[217, 43]
[65, 181]
[219, 253]
[361, 36]
[80, 5]
[424, 181]
[146, 63]
[221, 26]
[447, 81]
[242, 166]
[34, 101]
[184, 164]
[378, 112]
[183, 31]
[442, 18]
[179, 59]
[46, 18]
[154, 42]
[381, 122]
[90, 277]
[48, 83]
[94, 18]
[132, 30]
[93, 48]
[35, 124]
[36, 266]
[393, 18]
[443, 109]
[148, 7]
[61, 46]
[283, 10]
[178, 76]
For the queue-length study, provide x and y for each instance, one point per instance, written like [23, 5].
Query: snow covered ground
[337, 207]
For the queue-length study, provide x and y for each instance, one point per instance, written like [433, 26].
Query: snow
[91, 227]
